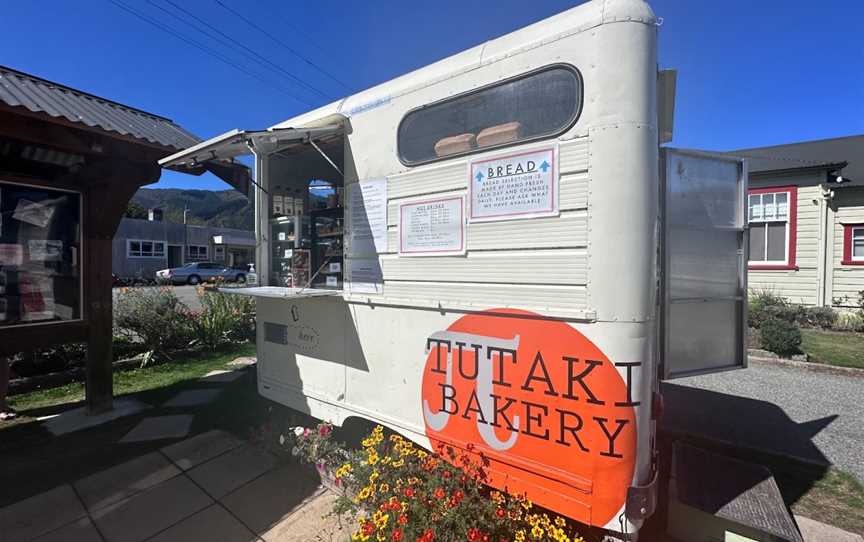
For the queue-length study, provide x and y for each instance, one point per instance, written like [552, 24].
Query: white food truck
[494, 250]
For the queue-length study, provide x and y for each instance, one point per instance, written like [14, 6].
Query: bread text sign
[522, 185]
[555, 415]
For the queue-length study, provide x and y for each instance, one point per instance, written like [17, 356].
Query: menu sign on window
[367, 225]
[434, 227]
[514, 186]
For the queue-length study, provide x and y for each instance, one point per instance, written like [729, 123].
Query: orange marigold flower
[403, 519]
[439, 493]
[397, 535]
[409, 492]
[500, 513]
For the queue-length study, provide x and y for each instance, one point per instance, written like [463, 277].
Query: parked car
[194, 273]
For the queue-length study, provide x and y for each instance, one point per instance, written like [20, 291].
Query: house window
[539, 104]
[771, 213]
[197, 252]
[219, 253]
[853, 244]
[136, 248]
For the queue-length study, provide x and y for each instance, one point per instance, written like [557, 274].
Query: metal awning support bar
[322, 153]
[239, 142]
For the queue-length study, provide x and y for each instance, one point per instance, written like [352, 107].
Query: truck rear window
[539, 104]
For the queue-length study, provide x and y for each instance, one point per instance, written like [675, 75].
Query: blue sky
[750, 73]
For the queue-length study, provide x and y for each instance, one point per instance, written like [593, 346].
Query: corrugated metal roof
[810, 153]
[19, 89]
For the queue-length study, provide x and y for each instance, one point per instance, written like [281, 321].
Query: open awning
[218, 154]
[240, 142]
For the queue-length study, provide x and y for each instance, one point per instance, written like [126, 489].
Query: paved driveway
[813, 415]
[186, 294]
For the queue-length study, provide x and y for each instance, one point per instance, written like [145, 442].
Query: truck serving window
[539, 104]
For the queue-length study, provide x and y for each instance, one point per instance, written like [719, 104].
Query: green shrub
[153, 317]
[224, 319]
[850, 321]
[765, 305]
[821, 317]
[780, 336]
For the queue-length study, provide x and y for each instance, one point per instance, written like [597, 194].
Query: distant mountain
[224, 208]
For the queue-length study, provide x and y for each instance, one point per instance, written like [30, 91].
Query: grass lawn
[834, 347]
[836, 499]
[125, 382]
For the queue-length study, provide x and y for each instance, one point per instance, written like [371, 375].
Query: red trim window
[773, 217]
[853, 244]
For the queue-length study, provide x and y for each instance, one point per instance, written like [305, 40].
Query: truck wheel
[193, 280]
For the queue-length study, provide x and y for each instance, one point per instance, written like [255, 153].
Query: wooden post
[100, 385]
[106, 203]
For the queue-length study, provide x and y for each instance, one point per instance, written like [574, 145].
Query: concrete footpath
[209, 487]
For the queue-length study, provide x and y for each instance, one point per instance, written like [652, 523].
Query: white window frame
[153, 253]
[219, 253]
[198, 258]
[859, 231]
[763, 220]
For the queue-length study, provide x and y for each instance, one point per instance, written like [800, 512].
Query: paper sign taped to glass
[11, 254]
[45, 250]
[37, 214]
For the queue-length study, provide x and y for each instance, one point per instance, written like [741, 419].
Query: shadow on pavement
[740, 422]
[745, 429]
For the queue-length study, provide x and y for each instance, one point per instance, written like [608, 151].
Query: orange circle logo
[542, 402]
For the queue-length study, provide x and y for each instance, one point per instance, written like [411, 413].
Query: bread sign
[547, 406]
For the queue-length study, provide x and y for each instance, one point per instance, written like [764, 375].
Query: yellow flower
[497, 497]
[374, 476]
[372, 459]
[368, 442]
[399, 463]
[384, 488]
[536, 531]
[382, 520]
[520, 535]
[365, 493]
[381, 537]
[358, 535]
[560, 522]
[404, 506]
[344, 470]
[421, 454]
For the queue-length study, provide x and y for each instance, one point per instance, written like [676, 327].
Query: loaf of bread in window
[455, 144]
[498, 134]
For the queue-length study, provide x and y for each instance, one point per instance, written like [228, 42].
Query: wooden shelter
[69, 164]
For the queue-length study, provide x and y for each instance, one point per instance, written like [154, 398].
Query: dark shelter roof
[18, 89]
[820, 152]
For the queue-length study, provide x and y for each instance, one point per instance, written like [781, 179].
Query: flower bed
[399, 492]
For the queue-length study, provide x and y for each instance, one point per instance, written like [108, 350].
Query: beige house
[806, 213]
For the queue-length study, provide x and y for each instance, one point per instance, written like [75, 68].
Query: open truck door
[703, 290]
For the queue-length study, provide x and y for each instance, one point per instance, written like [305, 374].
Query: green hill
[224, 208]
